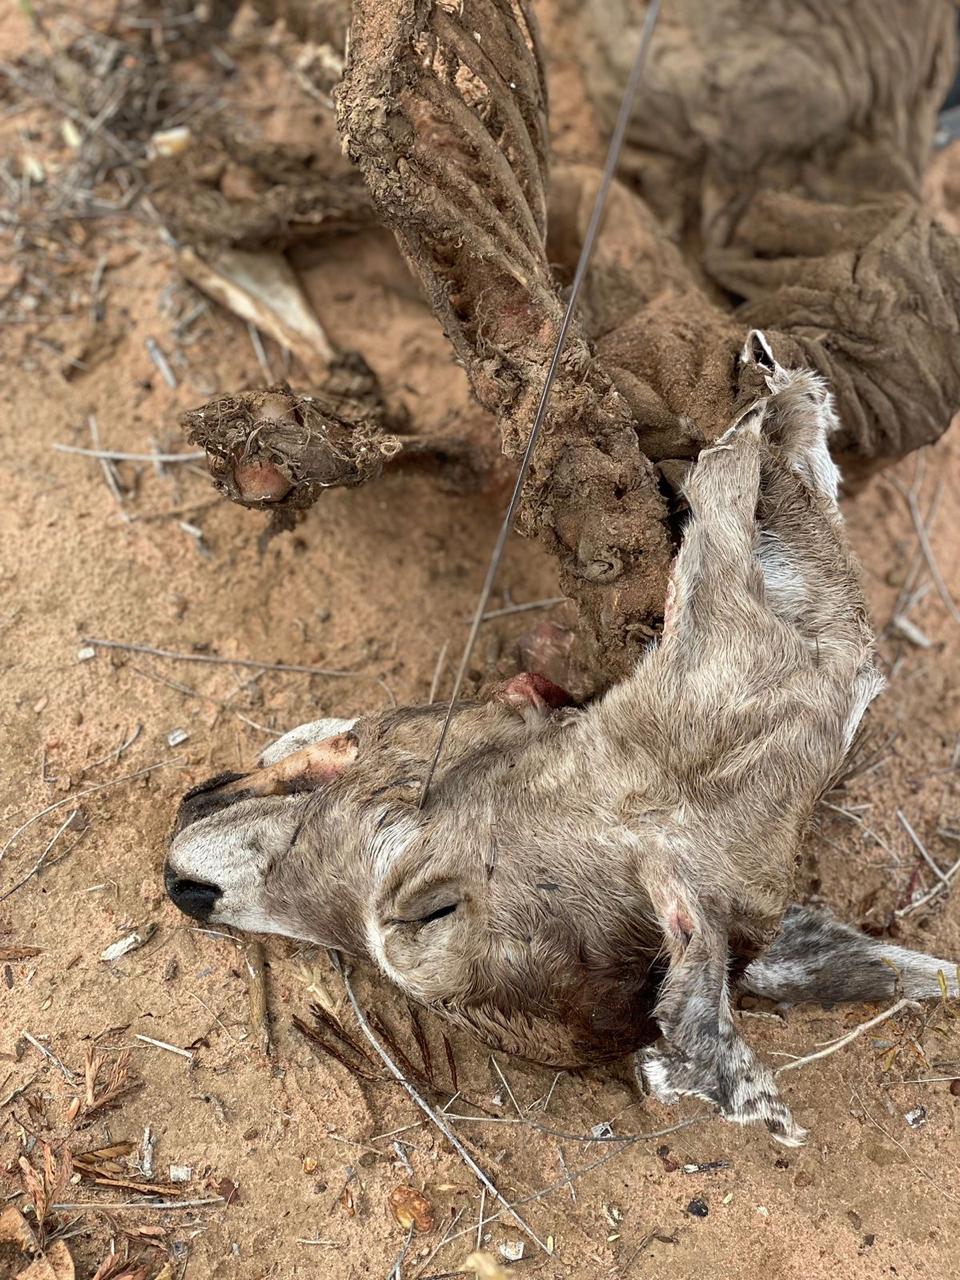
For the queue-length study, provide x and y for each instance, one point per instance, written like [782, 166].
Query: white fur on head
[232, 850]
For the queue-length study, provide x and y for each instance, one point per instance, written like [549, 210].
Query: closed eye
[447, 909]
[439, 913]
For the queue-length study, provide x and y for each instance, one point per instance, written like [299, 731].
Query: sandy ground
[378, 582]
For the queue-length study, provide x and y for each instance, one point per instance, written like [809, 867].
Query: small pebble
[86, 653]
[916, 1117]
[511, 1250]
[176, 736]
[180, 1173]
[131, 942]
[698, 1208]
[171, 142]
[955, 1088]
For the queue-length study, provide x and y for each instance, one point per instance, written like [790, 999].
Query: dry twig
[256, 965]
[44, 860]
[910, 498]
[117, 455]
[253, 664]
[87, 791]
[833, 1046]
[429, 1112]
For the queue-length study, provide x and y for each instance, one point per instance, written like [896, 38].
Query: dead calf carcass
[582, 881]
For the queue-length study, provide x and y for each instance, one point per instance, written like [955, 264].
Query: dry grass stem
[429, 1112]
[833, 1046]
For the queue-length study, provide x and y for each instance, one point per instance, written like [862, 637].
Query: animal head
[464, 903]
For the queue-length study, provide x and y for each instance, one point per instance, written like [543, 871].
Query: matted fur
[584, 880]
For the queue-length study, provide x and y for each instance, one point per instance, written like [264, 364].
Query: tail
[815, 958]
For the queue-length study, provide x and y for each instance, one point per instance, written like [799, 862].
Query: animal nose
[193, 897]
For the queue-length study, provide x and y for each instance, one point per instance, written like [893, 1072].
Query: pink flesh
[530, 689]
[260, 482]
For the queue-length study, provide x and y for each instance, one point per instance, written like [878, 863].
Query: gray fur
[581, 881]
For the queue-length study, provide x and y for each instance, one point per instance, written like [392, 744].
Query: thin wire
[599, 204]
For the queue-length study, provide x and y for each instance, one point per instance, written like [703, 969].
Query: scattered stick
[577, 1174]
[945, 883]
[895, 1084]
[913, 570]
[867, 830]
[161, 361]
[259, 351]
[833, 1046]
[117, 752]
[87, 791]
[896, 1141]
[546, 1101]
[910, 631]
[117, 455]
[506, 1084]
[43, 861]
[70, 1076]
[566, 1173]
[444, 1240]
[923, 537]
[921, 848]
[429, 1112]
[509, 609]
[438, 672]
[17, 1090]
[103, 1206]
[253, 664]
[394, 1272]
[256, 963]
[106, 465]
[189, 508]
[162, 1044]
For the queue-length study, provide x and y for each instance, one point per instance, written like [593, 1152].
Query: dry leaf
[484, 1266]
[18, 953]
[15, 1229]
[131, 942]
[109, 1267]
[56, 1264]
[115, 1267]
[229, 1190]
[46, 1188]
[411, 1208]
[151, 1234]
[262, 288]
[346, 1201]
[97, 1096]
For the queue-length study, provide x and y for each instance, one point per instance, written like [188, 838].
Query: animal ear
[704, 1057]
[303, 736]
[756, 350]
[531, 694]
[302, 770]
